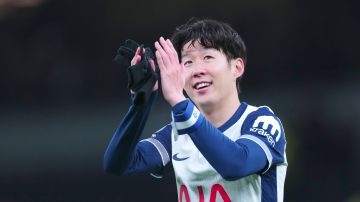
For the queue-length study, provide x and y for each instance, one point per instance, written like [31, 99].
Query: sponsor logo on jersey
[195, 114]
[176, 158]
[268, 127]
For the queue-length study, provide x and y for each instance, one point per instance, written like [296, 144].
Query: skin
[218, 101]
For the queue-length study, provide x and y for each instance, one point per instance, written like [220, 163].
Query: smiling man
[220, 149]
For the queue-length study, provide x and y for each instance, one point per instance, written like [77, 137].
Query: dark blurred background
[62, 96]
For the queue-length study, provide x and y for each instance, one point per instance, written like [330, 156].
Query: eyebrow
[206, 50]
[184, 55]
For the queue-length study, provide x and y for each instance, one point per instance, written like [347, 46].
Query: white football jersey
[197, 180]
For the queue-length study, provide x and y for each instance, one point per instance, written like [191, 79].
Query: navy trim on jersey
[269, 186]
[234, 118]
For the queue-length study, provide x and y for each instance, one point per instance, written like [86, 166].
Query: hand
[171, 71]
[137, 59]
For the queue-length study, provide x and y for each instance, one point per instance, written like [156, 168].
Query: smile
[201, 85]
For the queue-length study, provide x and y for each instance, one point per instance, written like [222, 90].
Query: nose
[198, 70]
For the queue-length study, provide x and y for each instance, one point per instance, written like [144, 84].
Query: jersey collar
[234, 118]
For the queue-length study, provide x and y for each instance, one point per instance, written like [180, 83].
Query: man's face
[209, 77]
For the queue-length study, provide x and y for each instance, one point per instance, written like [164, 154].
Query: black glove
[141, 77]
[126, 52]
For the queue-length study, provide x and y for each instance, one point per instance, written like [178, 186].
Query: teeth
[201, 85]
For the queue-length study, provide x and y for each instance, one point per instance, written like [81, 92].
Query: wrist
[187, 118]
[176, 100]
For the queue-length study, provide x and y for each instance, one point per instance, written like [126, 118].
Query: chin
[203, 101]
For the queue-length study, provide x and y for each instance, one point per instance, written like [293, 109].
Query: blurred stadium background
[61, 96]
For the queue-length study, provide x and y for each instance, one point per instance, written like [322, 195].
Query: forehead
[193, 48]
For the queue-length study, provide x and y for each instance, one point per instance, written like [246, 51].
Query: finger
[136, 59]
[164, 56]
[143, 50]
[159, 61]
[165, 45]
[137, 52]
[174, 52]
[171, 45]
[167, 48]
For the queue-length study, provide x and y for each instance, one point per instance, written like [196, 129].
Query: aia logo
[216, 189]
[268, 127]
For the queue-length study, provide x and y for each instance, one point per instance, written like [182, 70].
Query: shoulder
[260, 114]
[257, 110]
[163, 135]
[262, 121]
[163, 131]
[263, 127]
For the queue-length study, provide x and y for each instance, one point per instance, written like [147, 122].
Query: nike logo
[176, 158]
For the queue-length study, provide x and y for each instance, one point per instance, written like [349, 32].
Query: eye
[207, 57]
[187, 62]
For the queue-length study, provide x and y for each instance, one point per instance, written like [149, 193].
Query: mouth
[202, 85]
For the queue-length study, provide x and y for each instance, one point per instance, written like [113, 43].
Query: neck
[217, 114]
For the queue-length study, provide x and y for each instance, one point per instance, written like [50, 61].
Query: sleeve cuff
[180, 107]
[186, 117]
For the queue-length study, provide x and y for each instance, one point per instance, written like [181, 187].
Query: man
[221, 149]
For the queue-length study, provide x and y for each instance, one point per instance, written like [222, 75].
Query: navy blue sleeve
[161, 140]
[125, 154]
[232, 160]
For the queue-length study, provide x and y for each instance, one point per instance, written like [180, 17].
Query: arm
[124, 154]
[232, 160]
[121, 149]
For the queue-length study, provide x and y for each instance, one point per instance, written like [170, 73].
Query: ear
[239, 67]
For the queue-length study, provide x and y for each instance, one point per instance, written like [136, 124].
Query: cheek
[225, 79]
